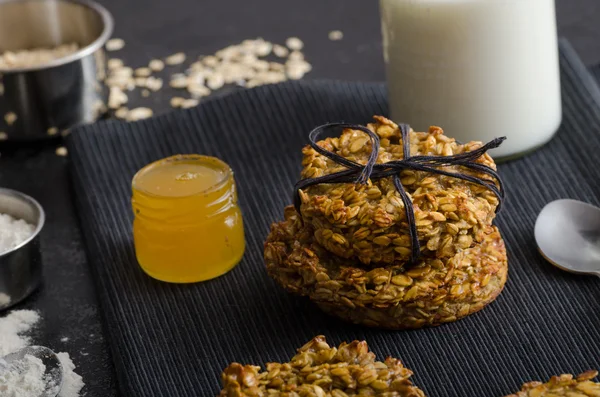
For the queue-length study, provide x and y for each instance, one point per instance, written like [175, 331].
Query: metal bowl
[21, 267]
[64, 92]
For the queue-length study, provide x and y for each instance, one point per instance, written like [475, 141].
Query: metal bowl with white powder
[21, 220]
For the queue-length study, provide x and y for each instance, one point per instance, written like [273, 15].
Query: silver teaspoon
[567, 233]
[54, 370]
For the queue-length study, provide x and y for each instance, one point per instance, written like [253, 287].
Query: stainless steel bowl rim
[40, 223]
[107, 30]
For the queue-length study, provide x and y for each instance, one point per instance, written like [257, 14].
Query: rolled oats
[318, 370]
[294, 43]
[156, 65]
[175, 59]
[10, 118]
[115, 44]
[369, 221]
[139, 114]
[36, 56]
[336, 35]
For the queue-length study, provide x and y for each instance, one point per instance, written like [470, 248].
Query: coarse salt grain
[13, 232]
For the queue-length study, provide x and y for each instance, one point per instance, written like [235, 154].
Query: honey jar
[187, 223]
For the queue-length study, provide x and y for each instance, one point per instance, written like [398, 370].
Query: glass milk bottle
[479, 69]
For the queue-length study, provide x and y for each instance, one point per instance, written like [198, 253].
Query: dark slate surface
[173, 340]
[68, 300]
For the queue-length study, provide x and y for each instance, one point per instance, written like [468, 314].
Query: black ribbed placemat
[174, 340]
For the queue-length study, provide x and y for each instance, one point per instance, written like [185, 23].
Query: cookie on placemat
[368, 222]
[432, 292]
[319, 370]
[563, 386]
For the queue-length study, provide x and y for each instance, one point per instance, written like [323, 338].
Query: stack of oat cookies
[349, 249]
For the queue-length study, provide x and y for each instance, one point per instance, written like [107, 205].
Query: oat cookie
[368, 222]
[318, 370]
[432, 292]
[563, 386]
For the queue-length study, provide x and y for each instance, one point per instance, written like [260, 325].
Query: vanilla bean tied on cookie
[372, 197]
[392, 228]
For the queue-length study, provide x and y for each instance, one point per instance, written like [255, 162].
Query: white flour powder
[13, 232]
[13, 329]
[26, 377]
[72, 382]
[4, 299]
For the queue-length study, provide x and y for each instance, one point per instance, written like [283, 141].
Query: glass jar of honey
[187, 224]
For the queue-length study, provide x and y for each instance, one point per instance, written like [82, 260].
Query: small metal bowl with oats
[52, 63]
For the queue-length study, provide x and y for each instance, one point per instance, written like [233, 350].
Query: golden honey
[187, 224]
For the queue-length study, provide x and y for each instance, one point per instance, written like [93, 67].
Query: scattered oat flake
[178, 81]
[10, 118]
[215, 81]
[145, 93]
[154, 83]
[116, 98]
[198, 91]
[176, 101]
[114, 63]
[61, 151]
[189, 103]
[280, 51]
[121, 113]
[143, 72]
[294, 43]
[175, 59]
[115, 44]
[3, 136]
[139, 114]
[336, 35]
[156, 65]
[52, 131]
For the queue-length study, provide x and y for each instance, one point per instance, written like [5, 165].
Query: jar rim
[199, 158]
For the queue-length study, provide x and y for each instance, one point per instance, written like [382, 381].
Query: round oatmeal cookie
[318, 370]
[368, 222]
[563, 386]
[432, 292]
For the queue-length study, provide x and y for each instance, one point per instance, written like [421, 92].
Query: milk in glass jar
[477, 68]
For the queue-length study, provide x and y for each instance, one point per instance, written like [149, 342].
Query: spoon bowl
[567, 233]
[54, 370]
